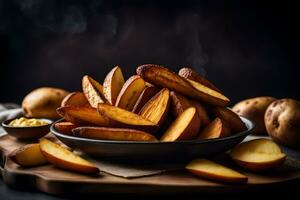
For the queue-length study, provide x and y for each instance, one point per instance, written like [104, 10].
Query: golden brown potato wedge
[103, 133]
[130, 92]
[210, 170]
[193, 75]
[63, 158]
[93, 91]
[82, 115]
[231, 118]
[185, 127]
[113, 84]
[156, 109]
[75, 99]
[258, 154]
[161, 76]
[216, 129]
[145, 96]
[28, 156]
[121, 118]
[65, 127]
[179, 103]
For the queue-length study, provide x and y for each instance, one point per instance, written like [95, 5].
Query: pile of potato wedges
[155, 104]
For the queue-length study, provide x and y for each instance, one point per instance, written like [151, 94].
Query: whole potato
[254, 109]
[42, 102]
[282, 119]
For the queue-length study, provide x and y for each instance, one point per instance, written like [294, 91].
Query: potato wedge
[258, 154]
[82, 115]
[28, 156]
[216, 129]
[74, 99]
[130, 92]
[161, 76]
[63, 158]
[156, 109]
[210, 170]
[103, 133]
[193, 75]
[179, 103]
[65, 127]
[121, 118]
[113, 84]
[231, 118]
[93, 91]
[145, 96]
[185, 127]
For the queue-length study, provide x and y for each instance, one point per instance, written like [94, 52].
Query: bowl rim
[249, 124]
[4, 124]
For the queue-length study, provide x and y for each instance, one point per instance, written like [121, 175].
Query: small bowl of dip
[27, 128]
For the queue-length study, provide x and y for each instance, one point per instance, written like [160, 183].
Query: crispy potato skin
[232, 119]
[164, 77]
[216, 129]
[103, 133]
[254, 109]
[282, 119]
[65, 127]
[193, 75]
[74, 99]
[145, 96]
[43, 102]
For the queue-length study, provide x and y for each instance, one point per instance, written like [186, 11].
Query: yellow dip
[24, 122]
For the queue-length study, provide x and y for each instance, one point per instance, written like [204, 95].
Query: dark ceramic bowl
[27, 133]
[128, 150]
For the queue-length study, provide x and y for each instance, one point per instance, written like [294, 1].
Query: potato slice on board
[185, 127]
[193, 75]
[75, 99]
[113, 84]
[162, 76]
[93, 91]
[104, 133]
[216, 129]
[82, 115]
[231, 118]
[258, 154]
[210, 170]
[130, 92]
[145, 96]
[156, 109]
[28, 156]
[63, 158]
[65, 127]
[121, 118]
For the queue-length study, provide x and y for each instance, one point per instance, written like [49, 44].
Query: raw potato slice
[185, 127]
[83, 115]
[210, 170]
[123, 134]
[63, 158]
[216, 129]
[121, 118]
[93, 91]
[65, 127]
[258, 154]
[233, 120]
[156, 109]
[145, 96]
[161, 76]
[29, 156]
[74, 99]
[130, 92]
[193, 75]
[179, 103]
[113, 84]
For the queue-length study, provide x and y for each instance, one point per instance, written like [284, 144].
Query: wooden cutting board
[53, 180]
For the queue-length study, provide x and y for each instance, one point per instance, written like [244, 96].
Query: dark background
[247, 48]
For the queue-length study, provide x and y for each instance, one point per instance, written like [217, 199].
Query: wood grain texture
[53, 180]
